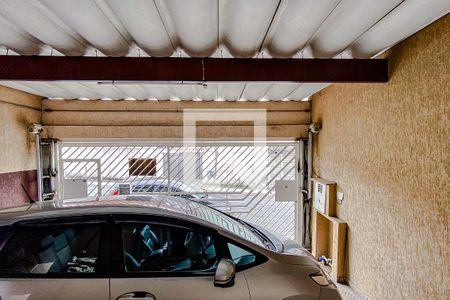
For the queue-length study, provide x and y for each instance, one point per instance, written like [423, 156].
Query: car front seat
[48, 254]
[146, 243]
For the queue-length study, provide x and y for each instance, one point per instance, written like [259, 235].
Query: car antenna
[28, 195]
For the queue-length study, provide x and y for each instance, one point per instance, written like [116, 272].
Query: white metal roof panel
[222, 28]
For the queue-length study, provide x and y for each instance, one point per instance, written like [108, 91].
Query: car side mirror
[225, 273]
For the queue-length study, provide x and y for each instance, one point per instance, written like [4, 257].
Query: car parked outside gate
[146, 185]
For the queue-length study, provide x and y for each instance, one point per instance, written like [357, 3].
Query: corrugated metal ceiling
[200, 28]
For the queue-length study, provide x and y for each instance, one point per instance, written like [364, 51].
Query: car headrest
[70, 234]
[148, 234]
[47, 241]
[60, 242]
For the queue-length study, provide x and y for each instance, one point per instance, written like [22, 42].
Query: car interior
[51, 250]
[146, 248]
[160, 248]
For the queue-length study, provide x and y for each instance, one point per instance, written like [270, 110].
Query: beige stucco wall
[387, 147]
[17, 148]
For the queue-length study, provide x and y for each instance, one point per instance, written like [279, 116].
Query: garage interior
[355, 96]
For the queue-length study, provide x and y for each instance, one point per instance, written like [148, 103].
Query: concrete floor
[349, 293]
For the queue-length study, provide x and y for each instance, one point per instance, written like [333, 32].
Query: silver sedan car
[148, 247]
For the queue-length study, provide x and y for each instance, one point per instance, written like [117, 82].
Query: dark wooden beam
[48, 68]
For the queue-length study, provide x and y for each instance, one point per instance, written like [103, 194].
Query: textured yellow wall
[17, 147]
[387, 147]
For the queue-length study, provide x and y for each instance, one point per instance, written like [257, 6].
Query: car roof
[151, 205]
[141, 180]
[161, 205]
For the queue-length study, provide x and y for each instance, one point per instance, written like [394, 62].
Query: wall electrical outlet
[340, 197]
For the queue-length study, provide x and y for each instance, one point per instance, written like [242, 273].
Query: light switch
[340, 197]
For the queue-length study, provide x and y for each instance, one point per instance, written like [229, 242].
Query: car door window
[161, 188]
[180, 193]
[143, 188]
[240, 256]
[50, 249]
[167, 248]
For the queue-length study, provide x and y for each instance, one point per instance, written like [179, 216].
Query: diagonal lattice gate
[238, 178]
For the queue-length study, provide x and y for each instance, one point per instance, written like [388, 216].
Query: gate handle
[137, 295]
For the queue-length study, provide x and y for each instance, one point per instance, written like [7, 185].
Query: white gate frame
[299, 172]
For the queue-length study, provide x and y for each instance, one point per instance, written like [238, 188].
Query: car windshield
[189, 189]
[152, 186]
[234, 225]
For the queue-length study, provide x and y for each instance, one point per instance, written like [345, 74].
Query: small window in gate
[142, 166]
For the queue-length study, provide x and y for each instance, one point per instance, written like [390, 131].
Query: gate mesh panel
[236, 178]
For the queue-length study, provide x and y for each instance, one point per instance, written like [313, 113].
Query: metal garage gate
[237, 177]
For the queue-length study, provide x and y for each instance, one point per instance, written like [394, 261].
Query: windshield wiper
[266, 241]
